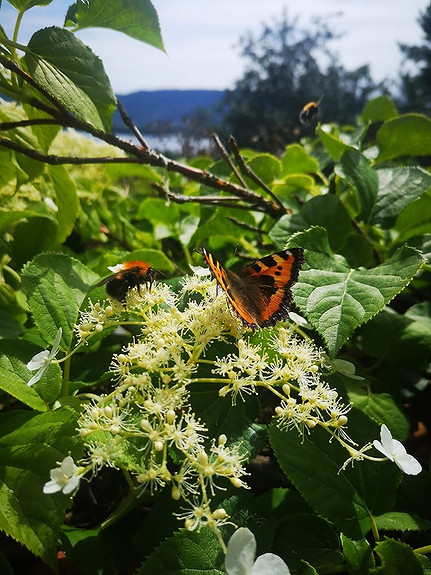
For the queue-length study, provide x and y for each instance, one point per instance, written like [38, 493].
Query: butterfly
[260, 294]
[127, 276]
[309, 112]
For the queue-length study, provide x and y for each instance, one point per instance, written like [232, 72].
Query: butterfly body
[261, 293]
[127, 276]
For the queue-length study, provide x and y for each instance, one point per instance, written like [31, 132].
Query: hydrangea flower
[41, 360]
[65, 478]
[240, 557]
[395, 451]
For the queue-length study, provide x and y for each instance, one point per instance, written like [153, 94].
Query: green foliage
[356, 198]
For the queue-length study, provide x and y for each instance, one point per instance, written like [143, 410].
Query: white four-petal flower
[240, 554]
[64, 478]
[41, 360]
[395, 451]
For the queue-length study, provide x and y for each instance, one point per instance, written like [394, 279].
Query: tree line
[287, 66]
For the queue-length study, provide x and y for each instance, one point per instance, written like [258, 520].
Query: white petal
[38, 360]
[37, 375]
[200, 270]
[71, 485]
[398, 448]
[386, 438]
[56, 344]
[117, 268]
[380, 448]
[270, 564]
[240, 553]
[408, 464]
[298, 319]
[51, 487]
[68, 466]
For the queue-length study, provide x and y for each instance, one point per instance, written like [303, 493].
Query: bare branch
[25, 123]
[247, 171]
[226, 157]
[141, 155]
[129, 123]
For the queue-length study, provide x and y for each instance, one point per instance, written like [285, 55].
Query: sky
[202, 38]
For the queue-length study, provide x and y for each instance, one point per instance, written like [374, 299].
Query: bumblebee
[127, 276]
[309, 112]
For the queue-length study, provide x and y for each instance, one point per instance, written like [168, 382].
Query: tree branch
[247, 171]
[142, 154]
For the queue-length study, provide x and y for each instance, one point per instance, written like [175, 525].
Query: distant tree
[416, 86]
[287, 67]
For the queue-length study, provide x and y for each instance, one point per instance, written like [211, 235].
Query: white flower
[240, 554]
[395, 451]
[64, 478]
[41, 360]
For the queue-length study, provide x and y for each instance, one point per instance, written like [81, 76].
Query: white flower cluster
[146, 425]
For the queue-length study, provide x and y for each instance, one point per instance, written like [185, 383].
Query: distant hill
[147, 108]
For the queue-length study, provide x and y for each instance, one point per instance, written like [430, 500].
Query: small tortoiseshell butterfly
[127, 276]
[260, 293]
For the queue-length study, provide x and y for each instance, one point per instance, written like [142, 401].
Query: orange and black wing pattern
[260, 294]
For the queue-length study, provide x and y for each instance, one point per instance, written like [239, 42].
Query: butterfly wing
[235, 288]
[272, 278]
[261, 293]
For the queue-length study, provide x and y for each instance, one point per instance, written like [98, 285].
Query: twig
[139, 154]
[226, 201]
[247, 171]
[227, 159]
[25, 123]
[246, 226]
[129, 123]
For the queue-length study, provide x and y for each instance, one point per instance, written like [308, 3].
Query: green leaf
[187, 552]
[56, 286]
[7, 167]
[363, 178]
[296, 160]
[381, 408]
[327, 211]
[397, 559]
[397, 521]
[415, 219]
[402, 340]
[423, 244]
[408, 135]
[317, 478]
[136, 18]
[379, 110]
[337, 299]
[10, 327]
[333, 145]
[32, 237]
[235, 421]
[67, 201]
[15, 375]
[358, 555]
[23, 5]
[45, 133]
[398, 187]
[310, 538]
[72, 74]
[29, 447]
[265, 166]
[305, 568]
